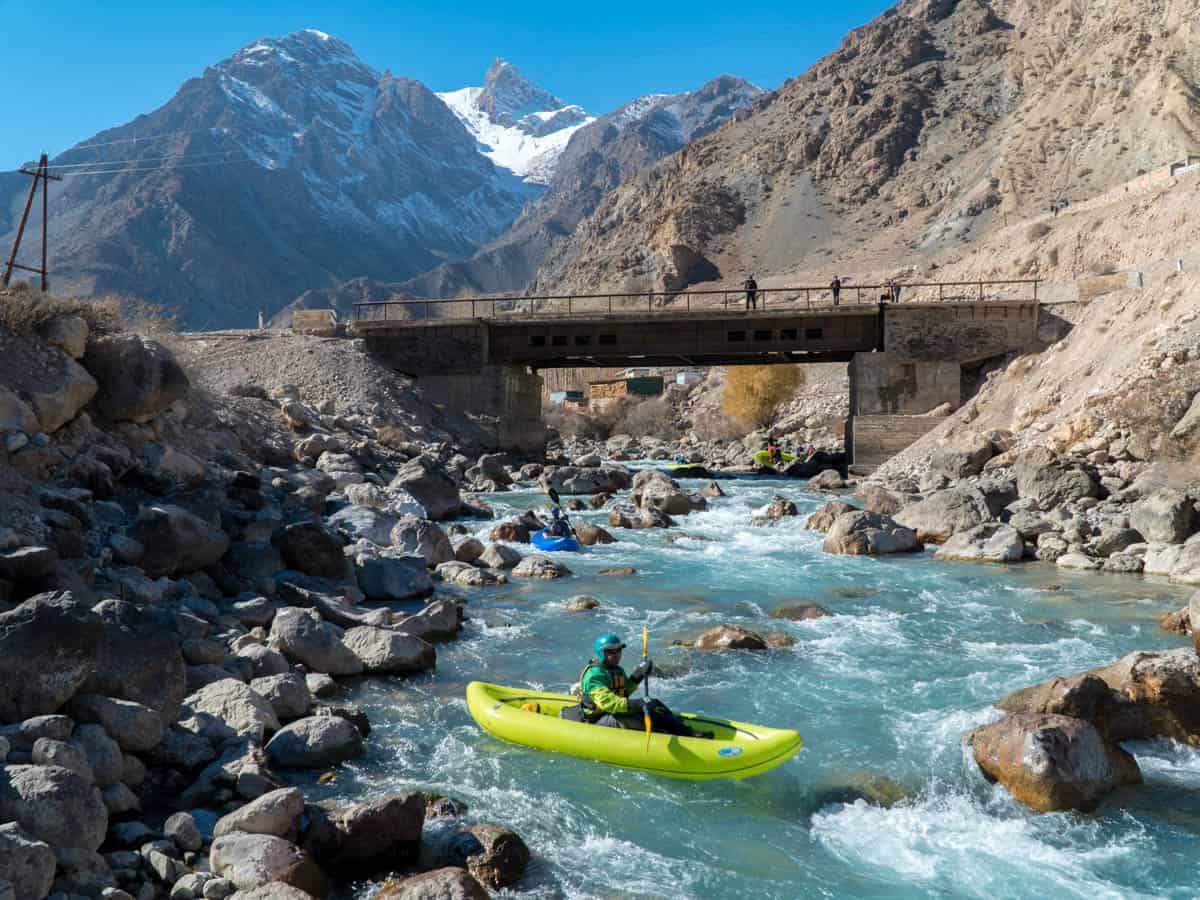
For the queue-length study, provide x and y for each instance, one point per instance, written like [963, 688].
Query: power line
[153, 137]
[147, 159]
[163, 168]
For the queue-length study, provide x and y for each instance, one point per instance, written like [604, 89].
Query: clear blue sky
[72, 69]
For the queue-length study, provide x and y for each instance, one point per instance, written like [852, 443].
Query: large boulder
[537, 565]
[1186, 569]
[467, 575]
[730, 637]
[1165, 516]
[310, 548]
[863, 533]
[827, 480]
[448, 883]
[626, 515]
[54, 805]
[139, 658]
[367, 838]
[25, 863]
[589, 534]
[383, 650]
[15, 414]
[822, 520]
[138, 378]
[176, 541]
[495, 855]
[302, 636]
[364, 523]
[1044, 477]
[423, 538]
[137, 728]
[989, 542]
[275, 812]
[59, 398]
[877, 498]
[499, 556]
[432, 487]
[287, 693]
[392, 576]
[48, 649]
[251, 861]
[945, 513]
[438, 621]
[592, 480]
[316, 742]
[1051, 762]
[654, 489]
[962, 455]
[237, 708]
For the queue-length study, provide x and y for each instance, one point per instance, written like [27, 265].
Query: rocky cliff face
[288, 166]
[928, 127]
[599, 156]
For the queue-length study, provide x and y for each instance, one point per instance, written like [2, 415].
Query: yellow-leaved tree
[751, 393]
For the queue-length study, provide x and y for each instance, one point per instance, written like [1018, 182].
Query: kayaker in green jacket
[605, 693]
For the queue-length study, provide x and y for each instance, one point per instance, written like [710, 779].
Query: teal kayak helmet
[608, 642]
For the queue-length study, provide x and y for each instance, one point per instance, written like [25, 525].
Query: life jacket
[591, 712]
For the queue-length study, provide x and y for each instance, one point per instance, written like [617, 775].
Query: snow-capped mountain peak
[520, 126]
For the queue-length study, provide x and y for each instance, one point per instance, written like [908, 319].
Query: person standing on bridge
[835, 288]
[894, 289]
[751, 287]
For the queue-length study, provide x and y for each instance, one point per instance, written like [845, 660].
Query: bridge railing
[592, 306]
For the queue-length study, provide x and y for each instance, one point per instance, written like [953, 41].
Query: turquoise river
[882, 801]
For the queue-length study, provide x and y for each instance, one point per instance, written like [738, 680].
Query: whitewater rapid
[882, 802]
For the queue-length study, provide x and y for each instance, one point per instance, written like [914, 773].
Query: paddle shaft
[558, 503]
[646, 682]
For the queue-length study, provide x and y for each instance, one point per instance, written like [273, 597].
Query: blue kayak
[543, 541]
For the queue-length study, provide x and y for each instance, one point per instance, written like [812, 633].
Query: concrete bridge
[905, 358]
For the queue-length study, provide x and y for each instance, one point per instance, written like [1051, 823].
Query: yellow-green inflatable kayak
[763, 458]
[737, 750]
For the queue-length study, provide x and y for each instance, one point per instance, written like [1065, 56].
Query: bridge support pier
[508, 400]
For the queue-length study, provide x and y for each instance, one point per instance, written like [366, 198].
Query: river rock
[876, 498]
[581, 603]
[440, 620]
[305, 638]
[287, 693]
[1166, 516]
[1075, 560]
[48, 752]
[136, 728]
[430, 485]
[26, 863]
[1042, 476]
[384, 651]
[862, 533]
[538, 566]
[276, 812]
[422, 537]
[496, 856]
[237, 707]
[468, 550]
[626, 515]
[16, 415]
[989, 542]
[310, 548]
[827, 480]
[778, 508]
[1051, 762]
[138, 378]
[23, 735]
[499, 556]
[730, 637]
[364, 523]
[176, 542]
[48, 650]
[945, 513]
[575, 480]
[466, 575]
[656, 490]
[361, 840]
[392, 576]
[589, 534]
[62, 396]
[800, 612]
[315, 743]
[961, 456]
[448, 883]
[822, 520]
[1186, 569]
[53, 805]
[254, 860]
[181, 827]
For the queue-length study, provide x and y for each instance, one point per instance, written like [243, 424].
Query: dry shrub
[249, 389]
[647, 418]
[1037, 230]
[751, 393]
[568, 421]
[149, 318]
[717, 428]
[25, 312]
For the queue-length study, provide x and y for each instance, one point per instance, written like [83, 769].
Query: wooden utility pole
[40, 174]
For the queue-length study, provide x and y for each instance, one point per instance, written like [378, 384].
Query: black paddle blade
[554, 496]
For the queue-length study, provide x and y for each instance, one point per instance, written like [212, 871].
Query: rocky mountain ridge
[928, 127]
